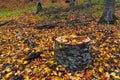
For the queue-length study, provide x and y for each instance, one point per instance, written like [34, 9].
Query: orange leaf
[88, 74]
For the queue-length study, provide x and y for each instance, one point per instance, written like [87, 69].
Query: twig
[32, 56]
[5, 22]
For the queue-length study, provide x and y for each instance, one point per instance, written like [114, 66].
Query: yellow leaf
[101, 69]
[114, 75]
[20, 61]
[95, 48]
[103, 45]
[7, 69]
[115, 60]
[25, 62]
[35, 69]
[114, 49]
[52, 52]
[47, 69]
[57, 78]
[34, 78]
[26, 77]
[74, 41]
[28, 70]
[51, 62]
[43, 79]
[107, 65]
[8, 75]
[60, 46]
[42, 55]
[108, 56]
[65, 36]
[64, 40]
[54, 73]
[73, 36]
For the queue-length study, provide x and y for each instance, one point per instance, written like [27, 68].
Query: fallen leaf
[101, 69]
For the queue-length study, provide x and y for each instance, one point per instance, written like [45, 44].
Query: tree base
[103, 21]
[67, 1]
[39, 8]
[53, 1]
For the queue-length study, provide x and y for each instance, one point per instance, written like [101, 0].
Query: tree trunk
[108, 12]
[89, 3]
[39, 6]
[27, 1]
[53, 1]
[71, 3]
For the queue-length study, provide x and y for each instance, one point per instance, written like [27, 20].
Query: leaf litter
[25, 36]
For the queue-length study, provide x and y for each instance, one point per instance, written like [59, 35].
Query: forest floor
[30, 33]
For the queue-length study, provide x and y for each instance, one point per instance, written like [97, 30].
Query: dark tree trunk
[39, 6]
[53, 1]
[89, 3]
[71, 3]
[108, 12]
[27, 0]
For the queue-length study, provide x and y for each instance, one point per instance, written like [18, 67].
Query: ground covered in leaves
[29, 33]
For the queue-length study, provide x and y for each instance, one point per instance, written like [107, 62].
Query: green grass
[8, 12]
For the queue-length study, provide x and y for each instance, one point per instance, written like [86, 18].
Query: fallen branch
[52, 25]
[32, 56]
[5, 22]
[47, 26]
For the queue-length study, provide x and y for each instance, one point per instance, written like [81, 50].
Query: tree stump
[72, 52]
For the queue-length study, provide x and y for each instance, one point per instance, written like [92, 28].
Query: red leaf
[88, 74]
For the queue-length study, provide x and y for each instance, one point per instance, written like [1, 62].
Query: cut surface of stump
[72, 52]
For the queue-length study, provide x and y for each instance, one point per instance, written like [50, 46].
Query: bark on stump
[74, 56]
